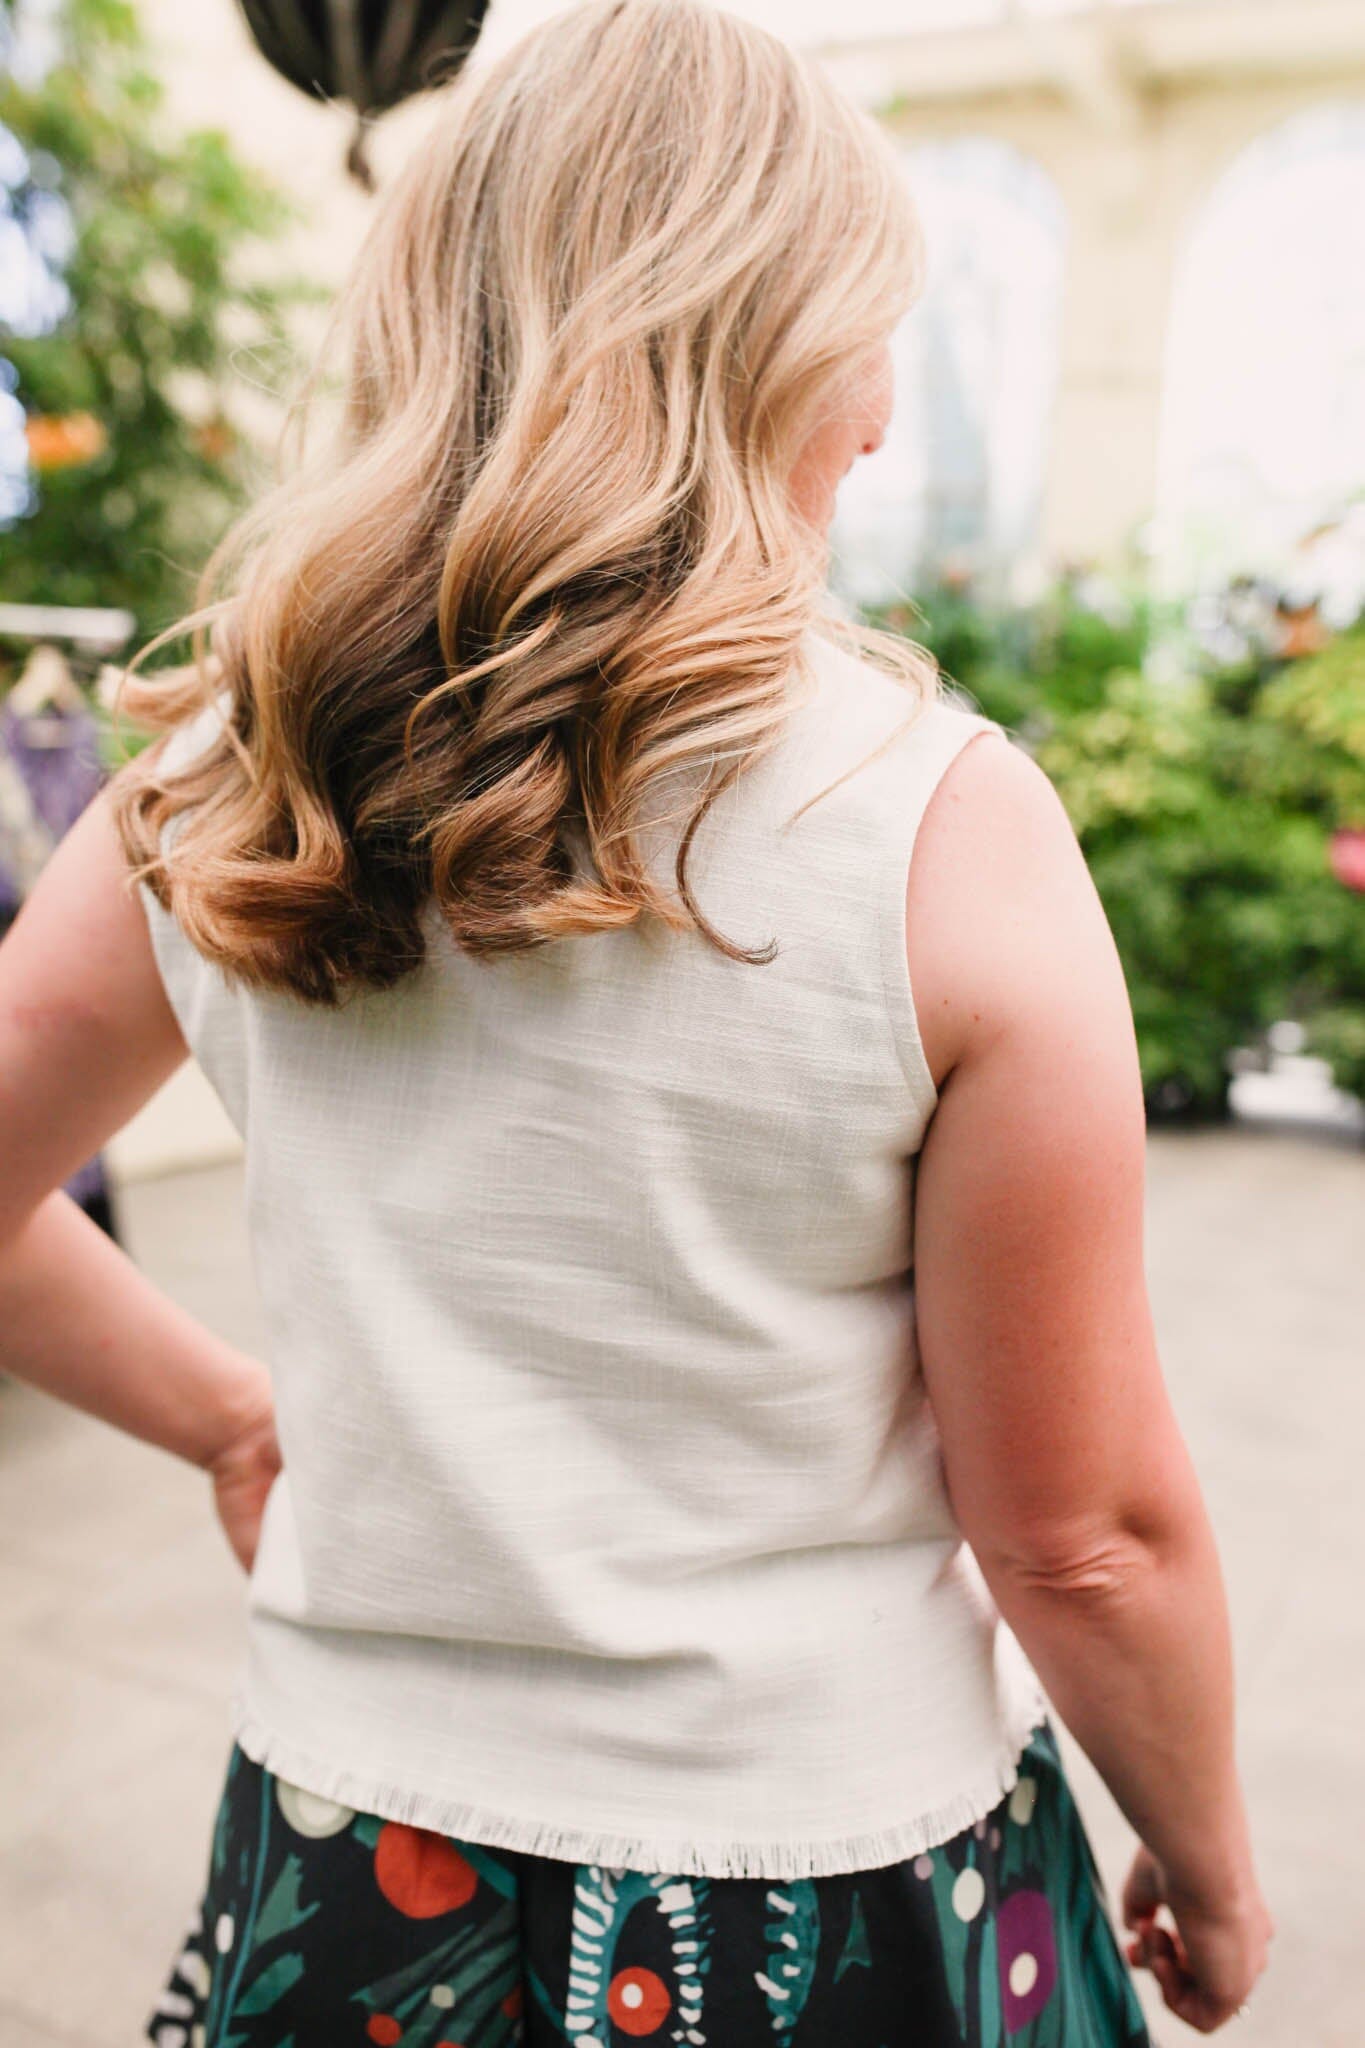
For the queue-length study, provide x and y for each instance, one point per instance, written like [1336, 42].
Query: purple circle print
[1027, 1950]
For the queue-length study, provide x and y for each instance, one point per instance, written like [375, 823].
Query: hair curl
[548, 554]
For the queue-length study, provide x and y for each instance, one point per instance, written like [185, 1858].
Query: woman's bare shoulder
[1002, 915]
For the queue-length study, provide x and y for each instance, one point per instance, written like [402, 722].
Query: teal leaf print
[952, 1901]
[793, 1936]
[477, 1966]
[857, 1948]
[988, 1982]
[218, 1855]
[281, 1913]
[494, 1874]
[269, 1988]
[599, 1912]
[601, 1994]
[238, 1928]
[691, 1934]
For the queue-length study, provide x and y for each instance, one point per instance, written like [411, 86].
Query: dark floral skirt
[322, 1928]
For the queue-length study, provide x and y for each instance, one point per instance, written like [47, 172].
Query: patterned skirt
[322, 1928]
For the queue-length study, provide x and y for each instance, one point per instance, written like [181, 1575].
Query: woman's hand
[243, 1472]
[1208, 1962]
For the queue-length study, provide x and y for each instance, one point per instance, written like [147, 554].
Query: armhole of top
[956, 728]
[205, 1007]
[170, 950]
[181, 968]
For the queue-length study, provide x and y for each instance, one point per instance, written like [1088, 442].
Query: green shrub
[164, 333]
[1206, 826]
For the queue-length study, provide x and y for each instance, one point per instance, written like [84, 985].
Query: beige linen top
[612, 1525]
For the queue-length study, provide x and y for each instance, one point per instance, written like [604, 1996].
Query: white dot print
[222, 1934]
[1023, 1974]
[1022, 1801]
[309, 1814]
[195, 1971]
[969, 1894]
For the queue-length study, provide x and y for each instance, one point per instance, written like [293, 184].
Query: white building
[1145, 324]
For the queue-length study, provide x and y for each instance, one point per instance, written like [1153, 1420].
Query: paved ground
[120, 1604]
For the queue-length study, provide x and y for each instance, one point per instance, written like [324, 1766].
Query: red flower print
[638, 2001]
[421, 1873]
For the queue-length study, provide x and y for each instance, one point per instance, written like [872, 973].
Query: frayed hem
[838, 1857]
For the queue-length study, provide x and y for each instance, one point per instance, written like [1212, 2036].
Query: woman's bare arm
[86, 1036]
[1066, 1467]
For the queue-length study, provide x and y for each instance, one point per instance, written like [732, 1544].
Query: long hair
[548, 554]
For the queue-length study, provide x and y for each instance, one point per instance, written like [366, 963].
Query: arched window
[959, 479]
[1263, 431]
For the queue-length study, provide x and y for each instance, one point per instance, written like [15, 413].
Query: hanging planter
[371, 53]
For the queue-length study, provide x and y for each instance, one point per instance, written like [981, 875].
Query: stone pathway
[120, 1605]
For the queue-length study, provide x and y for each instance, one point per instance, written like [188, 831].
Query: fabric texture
[318, 1923]
[612, 1525]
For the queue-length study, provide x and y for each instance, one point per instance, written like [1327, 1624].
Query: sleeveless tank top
[612, 1524]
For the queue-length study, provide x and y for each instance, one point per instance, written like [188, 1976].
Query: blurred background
[1122, 500]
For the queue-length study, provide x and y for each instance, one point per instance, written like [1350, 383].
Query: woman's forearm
[79, 1320]
[1134, 1649]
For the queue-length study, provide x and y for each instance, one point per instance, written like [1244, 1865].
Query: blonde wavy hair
[548, 553]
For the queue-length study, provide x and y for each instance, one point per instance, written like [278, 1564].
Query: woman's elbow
[1104, 1559]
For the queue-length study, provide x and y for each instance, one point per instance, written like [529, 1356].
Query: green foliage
[1318, 707]
[1205, 814]
[999, 656]
[165, 330]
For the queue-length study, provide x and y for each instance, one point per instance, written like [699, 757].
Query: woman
[646, 1625]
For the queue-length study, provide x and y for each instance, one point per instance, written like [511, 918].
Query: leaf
[270, 1987]
[280, 1913]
